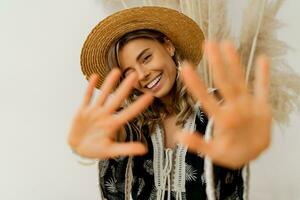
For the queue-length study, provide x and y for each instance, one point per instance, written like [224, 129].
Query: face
[153, 63]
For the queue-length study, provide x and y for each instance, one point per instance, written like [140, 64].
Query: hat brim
[184, 33]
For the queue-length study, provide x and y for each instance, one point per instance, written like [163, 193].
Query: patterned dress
[167, 173]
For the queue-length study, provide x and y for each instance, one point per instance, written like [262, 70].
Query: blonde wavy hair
[156, 112]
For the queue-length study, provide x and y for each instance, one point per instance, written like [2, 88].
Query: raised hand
[242, 122]
[95, 126]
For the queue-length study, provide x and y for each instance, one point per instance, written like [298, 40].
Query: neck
[168, 102]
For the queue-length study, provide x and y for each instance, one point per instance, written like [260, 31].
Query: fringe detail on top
[246, 178]
[169, 164]
[208, 166]
[128, 173]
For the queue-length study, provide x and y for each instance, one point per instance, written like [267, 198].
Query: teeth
[152, 83]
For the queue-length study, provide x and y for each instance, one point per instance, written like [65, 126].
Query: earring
[173, 53]
[178, 69]
[179, 65]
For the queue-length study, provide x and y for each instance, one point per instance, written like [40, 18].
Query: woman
[136, 135]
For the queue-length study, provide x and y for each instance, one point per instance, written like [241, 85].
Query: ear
[169, 47]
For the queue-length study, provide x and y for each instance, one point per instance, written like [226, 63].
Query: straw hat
[185, 34]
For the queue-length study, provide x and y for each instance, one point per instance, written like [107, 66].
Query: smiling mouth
[153, 82]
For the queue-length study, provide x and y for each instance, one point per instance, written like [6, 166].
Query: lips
[153, 82]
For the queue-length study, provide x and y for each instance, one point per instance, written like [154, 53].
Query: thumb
[194, 142]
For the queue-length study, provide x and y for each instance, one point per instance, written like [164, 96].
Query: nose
[143, 73]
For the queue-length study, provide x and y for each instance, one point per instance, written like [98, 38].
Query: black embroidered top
[228, 183]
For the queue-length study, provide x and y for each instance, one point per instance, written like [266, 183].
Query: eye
[147, 58]
[127, 72]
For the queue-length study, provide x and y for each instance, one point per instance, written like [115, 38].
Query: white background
[41, 86]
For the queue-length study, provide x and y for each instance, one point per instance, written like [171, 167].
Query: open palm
[95, 126]
[242, 122]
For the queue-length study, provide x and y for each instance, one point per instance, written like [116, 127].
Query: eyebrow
[142, 53]
[137, 58]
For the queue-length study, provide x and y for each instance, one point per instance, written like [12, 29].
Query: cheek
[172, 71]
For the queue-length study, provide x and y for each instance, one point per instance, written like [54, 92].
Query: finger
[195, 143]
[235, 67]
[220, 75]
[121, 93]
[97, 147]
[198, 90]
[109, 83]
[90, 89]
[261, 83]
[198, 145]
[127, 149]
[134, 109]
